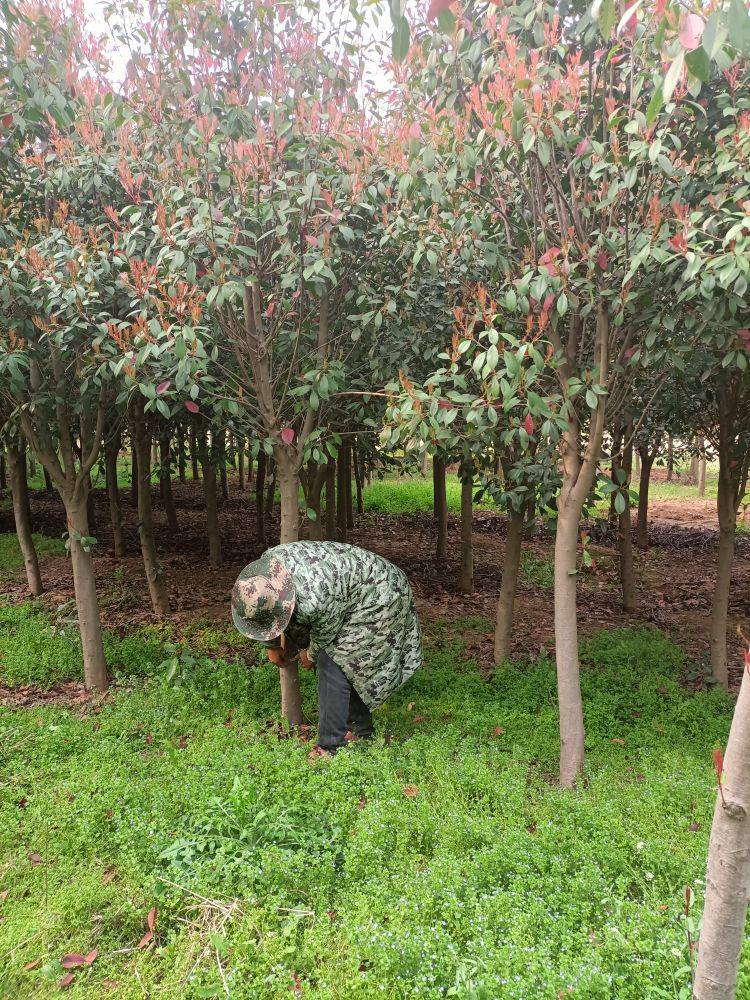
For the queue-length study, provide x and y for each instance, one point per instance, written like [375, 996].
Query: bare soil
[675, 576]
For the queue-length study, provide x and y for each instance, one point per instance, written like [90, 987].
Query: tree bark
[221, 455]
[270, 501]
[87, 603]
[727, 513]
[289, 485]
[260, 485]
[507, 598]
[181, 457]
[19, 493]
[211, 500]
[90, 506]
[728, 874]
[112, 444]
[47, 480]
[165, 481]
[341, 483]
[670, 458]
[702, 471]
[133, 470]
[331, 500]
[614, 467]
[358, 478]
[440, 506]
[3, 472]
[466, 582]
[241, 464]
[641, 531]
[625, 530]
[349, 491]
[193, 453]
[157, 585]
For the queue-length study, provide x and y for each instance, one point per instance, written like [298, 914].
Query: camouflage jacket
[359, 608]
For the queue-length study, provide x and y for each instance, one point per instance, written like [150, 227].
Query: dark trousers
[339, 707]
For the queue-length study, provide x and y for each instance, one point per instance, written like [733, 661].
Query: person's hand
[279, 657]
[304, 660]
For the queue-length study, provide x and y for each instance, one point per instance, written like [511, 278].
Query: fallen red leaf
[151, 918]
[149, 739]
[34, 858]
[4, 894]
[619, 740]
[418, 718]
[148, 936]
[498, 731]
[411, 790]
[91, 957]
[66, 980]
[32, 965]
[73, 960]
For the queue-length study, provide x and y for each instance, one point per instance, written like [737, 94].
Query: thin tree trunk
[193, 453]
[341, 494]
[702, 471]
[291, 698]
[181, 457]
[155, 578]
[47, 480]
[221, 454]
[507, 598]
[270, 502]
[727, 513]
[641, 531]
[23, 525]
[212, 506]
[3, 472]
[165, 481]
[358, 477]
[440, 504]
[90, 507]
[614, 467]
[133, 470]
[112, 444]
[693, 479]
[349, 484]
[241, 464]
[260, 484]
[466, 582]
[670, 458]
[331, 500]
[625, 530]
[728, 874]
[87, 603]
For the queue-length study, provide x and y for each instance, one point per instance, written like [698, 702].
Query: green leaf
[655, 105]
[738, 25]
[673, 75]
[699, 64]
[619, 503]
[400, 39]
[607, 18]
[591, 401]
[446, 21]
[714, 34]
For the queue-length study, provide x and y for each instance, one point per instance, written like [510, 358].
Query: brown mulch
[675, 575]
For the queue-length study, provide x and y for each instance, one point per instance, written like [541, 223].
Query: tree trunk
[270, 501]
[720, 604]
[331, 500]
[614, 467]
[349, 491]
[133, 470]
[625, 530]
[358, 478]
[507, 598]
[84, 582]
[3, 472]
[241, 464]
[90, 506]
[341, 495]
[728, 874]
[19, 491]
[155, 578]
[260, 485]
[181, 457]
[641, 531]
[212, 506]
[112, 444]
[693, 476]
[440, 503]
[702, 471]
[291, 697]
[466, 582]
[47, 480]
[193, 453]
[221, 455]
[670, 458]
[165, 481]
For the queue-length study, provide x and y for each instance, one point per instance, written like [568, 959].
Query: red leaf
[547, 260]
[7, 120]
[72, 961]
[691, 31]
[582, 146]
[191, 407]
[148, 936]
[445, 404]
[678, 242]
[436, 6]
[4, 895]
[418, 718]
[718, 764]
[163, 386]
[66, 980]
[528, 424]
[182, 743]
[602, 259]
[287, 435]
[270, 309]
[91, 957]
[149, 739]
[411, 790]
[151, 918]
[312, 240]
[32, 965]
[34, 858]
[498, 731]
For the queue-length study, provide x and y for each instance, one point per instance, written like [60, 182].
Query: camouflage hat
[263, 599]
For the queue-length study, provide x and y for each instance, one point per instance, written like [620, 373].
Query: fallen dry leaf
[151, 918]
[618, 740]
[32, 965]
[418, 718]
[91, 957]
[498, 731]
[4, 895]
[147, 937]
[73, 961]
[411, 790]
[34, 858]
[66, 980]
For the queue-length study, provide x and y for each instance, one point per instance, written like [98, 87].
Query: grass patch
[11, 559]
[329, 880]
